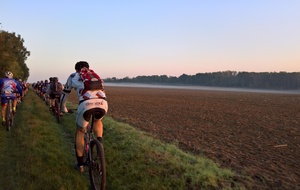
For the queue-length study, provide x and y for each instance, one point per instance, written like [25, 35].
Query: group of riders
[43, 89]
[13, 88]
[91, 95]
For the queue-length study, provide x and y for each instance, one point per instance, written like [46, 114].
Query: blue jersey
[9, 87]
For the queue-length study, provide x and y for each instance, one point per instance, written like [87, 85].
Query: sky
[129, 38]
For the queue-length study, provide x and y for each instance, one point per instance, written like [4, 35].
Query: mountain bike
[94, 158]
[9, 115]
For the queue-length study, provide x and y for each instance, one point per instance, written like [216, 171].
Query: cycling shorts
[4, 98]
[53, 96]
[86, 108]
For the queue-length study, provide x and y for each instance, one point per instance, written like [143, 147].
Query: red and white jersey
[74, 81]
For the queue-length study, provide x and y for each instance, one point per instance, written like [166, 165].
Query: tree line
[258, 80]
[13, 55]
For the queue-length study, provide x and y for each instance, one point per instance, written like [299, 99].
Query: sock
[99, 139]
[80, 160]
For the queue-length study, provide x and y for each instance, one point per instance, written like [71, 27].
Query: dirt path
[257, 134]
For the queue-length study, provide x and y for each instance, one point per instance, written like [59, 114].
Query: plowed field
[254, 134]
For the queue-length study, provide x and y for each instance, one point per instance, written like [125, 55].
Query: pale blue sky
[156, 37]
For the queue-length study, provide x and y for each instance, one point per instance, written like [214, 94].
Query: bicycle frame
[88, 137]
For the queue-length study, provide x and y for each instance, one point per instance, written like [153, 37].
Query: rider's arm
[66, 91]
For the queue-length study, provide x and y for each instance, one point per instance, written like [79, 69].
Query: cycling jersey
[9, 87]
[88, 100]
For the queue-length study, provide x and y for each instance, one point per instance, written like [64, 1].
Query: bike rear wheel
[97, 167]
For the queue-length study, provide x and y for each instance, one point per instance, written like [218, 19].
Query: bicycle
[95, 160]
[9, 115]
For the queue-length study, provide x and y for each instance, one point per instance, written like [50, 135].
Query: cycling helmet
[85, 64]
[79, 65]
[9, 74]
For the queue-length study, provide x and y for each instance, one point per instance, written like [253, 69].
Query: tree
[264, 80]
[13, 55]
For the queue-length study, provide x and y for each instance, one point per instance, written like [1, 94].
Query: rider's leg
[15, 105]
[98, 129]
[3, 110]
[51, 103]
[81, 124]
[79, 146]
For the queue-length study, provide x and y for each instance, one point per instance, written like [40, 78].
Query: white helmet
[9, 74]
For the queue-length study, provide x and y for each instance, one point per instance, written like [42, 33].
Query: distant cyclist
[54, 90]
[44, 89]
[9, 87]
[92, 99]
[19, 97]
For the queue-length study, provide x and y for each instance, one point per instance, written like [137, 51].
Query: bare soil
[253, 134]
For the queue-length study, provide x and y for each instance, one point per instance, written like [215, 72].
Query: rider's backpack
[55, 87]
[91, 80]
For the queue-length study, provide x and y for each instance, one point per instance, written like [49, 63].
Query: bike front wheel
[97, 167]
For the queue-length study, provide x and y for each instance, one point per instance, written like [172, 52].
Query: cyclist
[40, 87]
[90, 101]
[54, 90]
[19, 98]
[9, 87]
[44, 89]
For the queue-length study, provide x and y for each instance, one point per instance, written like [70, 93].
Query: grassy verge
[35, 154]
[38, 153]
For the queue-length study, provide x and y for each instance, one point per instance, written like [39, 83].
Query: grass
[38, 153]
[143, 162]
[34, 154]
